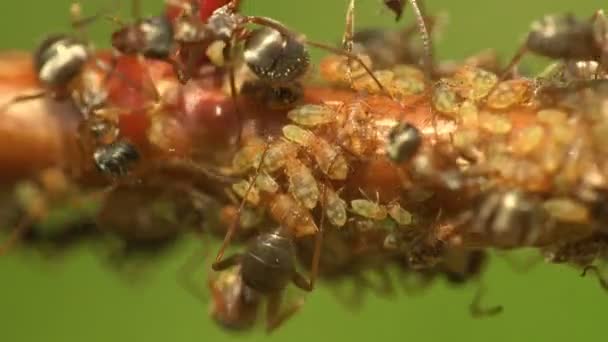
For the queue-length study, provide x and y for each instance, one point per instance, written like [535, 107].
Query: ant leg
[233, 226]
[508, 70]
[21, 228]
[185, 279]
[233, 90]
[347, 38]
[426, 38]
[227, 263]
[234, 5]
[477, 311]
[23, 98]
[298, 279]
[602, 280]
[600, 33]
[275, 318]
[136, 9]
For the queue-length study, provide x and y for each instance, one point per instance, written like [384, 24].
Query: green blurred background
[78, 298]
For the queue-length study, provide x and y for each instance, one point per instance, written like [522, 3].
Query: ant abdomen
[58, 59]
[274, 57]
[269, 263]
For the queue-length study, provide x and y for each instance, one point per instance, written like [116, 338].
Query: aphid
[568, 38]
[404, 140]
[312, 115]
[302, 183]
[400, 215]
[369, 209]
[335, 207]
[266, 268]
[117, 158]
[330, 160]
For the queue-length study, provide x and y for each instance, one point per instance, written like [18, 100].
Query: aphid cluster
[394, 160]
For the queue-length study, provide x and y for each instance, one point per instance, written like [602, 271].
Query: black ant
[269, 263]
[61, 63]
[266, 268]
[568, 38]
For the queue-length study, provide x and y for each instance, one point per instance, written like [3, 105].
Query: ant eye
[274, 57]
[58, 59]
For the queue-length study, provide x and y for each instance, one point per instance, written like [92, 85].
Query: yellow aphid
[277, 154]
[400, 215]
[266, 183]
[368, 209]
[312, 115]
[241, 187]
[335, 208]
[298, 135]
[302, 183]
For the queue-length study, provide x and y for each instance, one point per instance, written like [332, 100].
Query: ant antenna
[233, 225]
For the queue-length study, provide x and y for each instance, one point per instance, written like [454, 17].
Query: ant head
[404, 141]
[152, 37]
[274, 57]
[58, 59]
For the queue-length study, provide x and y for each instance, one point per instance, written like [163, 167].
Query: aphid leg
[274, 316]
[15, 235]
[347, 38]
[595, 269]
[230, 261]
[338, 51]
[232, 229]
[476, 309]
[185, 279]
